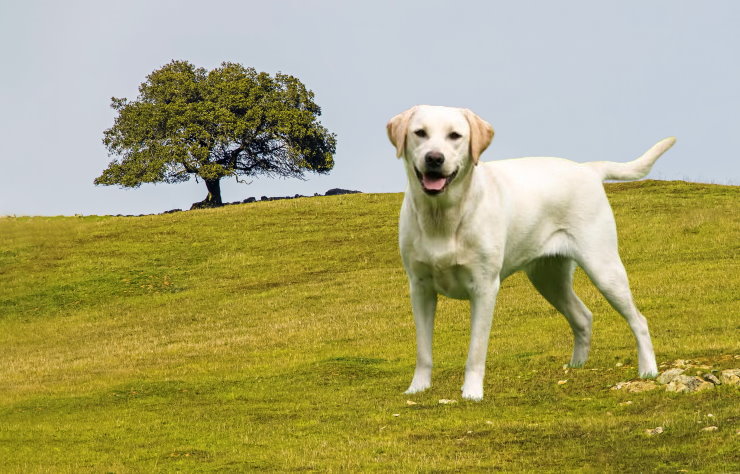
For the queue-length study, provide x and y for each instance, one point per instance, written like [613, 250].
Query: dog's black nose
[434, 159]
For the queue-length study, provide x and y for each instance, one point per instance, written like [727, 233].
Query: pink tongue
[433, 184]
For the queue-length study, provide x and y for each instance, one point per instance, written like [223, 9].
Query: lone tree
[231, 121]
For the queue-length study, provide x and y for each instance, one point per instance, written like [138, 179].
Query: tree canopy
[230, 121]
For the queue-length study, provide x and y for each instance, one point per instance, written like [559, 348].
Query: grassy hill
[278, 336]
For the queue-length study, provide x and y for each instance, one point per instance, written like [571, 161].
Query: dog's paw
[417, 387]
[474, 394]
[576, 364]
[649, 374]
[648, 369]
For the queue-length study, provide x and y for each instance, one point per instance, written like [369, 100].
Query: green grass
[278, 336]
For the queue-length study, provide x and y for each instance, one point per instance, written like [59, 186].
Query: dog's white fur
[540, 215]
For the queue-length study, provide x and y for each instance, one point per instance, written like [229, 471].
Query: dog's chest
[446, 263]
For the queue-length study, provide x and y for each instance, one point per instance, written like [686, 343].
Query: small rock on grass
[636, 386]
[667, 376]
[687, 383]
[730, 377]
[710, 428]
[655, 431]
[711, 378]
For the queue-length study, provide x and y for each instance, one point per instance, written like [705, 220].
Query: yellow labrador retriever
[465, 226]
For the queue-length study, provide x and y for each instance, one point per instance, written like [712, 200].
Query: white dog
[465, 226]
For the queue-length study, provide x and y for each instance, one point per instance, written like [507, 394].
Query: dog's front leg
[423, 305]
[482, 302]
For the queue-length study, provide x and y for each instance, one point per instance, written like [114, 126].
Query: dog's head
[439, 144]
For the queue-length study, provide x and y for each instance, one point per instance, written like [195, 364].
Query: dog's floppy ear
[397, 127]
[481, 134]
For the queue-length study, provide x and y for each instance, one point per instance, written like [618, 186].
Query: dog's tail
[636, 169]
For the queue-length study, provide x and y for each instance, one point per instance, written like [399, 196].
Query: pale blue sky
[581, 79]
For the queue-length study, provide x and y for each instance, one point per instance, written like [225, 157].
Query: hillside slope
[278, 336]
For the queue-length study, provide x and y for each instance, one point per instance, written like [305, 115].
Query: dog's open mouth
[433, 182]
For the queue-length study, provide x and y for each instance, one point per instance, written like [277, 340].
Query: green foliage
[278, 336]
[231, 121]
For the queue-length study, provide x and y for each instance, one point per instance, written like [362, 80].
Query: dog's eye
[454, 136]
[421, 133]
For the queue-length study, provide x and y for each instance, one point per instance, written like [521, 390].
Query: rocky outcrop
[338, 191]
[684, 377]
[201, 205]
[331, 192]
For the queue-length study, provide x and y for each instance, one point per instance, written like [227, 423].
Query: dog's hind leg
[553, 278]
[606, 271]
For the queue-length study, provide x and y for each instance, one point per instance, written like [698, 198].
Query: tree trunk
[214, 195]
[214, 192]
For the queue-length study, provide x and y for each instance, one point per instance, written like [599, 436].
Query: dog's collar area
[434, 183]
